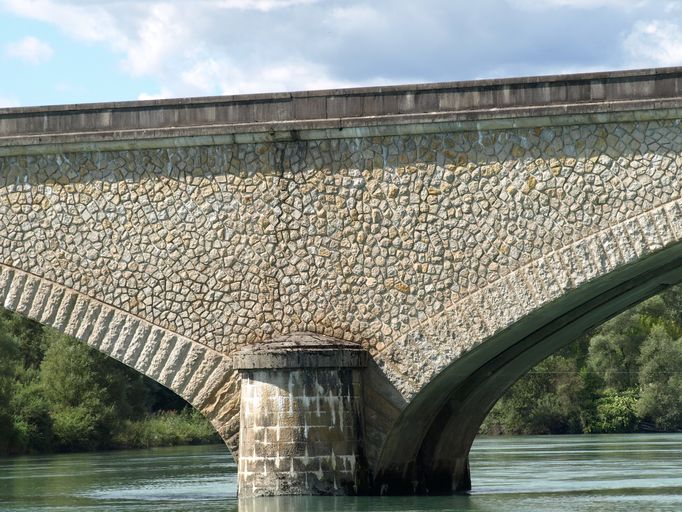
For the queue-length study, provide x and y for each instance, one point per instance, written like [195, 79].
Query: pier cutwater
[344, 282]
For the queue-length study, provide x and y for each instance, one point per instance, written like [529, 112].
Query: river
[535, 473]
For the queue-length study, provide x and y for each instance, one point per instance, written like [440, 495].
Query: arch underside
[427, 450]
[201, 376]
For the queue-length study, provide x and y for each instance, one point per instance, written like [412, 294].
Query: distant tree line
[57, 394]
[625, 376]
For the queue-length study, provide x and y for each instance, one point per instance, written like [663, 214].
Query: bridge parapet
[370, 111]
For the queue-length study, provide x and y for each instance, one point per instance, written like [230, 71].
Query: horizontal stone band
[301, 350]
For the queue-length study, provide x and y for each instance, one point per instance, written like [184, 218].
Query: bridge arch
[196, 373]
[446, 414]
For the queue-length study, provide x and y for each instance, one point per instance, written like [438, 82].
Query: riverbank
[159, 430]
[166, 428]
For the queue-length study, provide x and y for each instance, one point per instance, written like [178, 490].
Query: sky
[81, 51]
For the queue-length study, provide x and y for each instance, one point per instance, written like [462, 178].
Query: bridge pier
[301, 417]
[447, 475]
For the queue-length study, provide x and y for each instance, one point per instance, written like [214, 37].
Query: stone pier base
[301, 417]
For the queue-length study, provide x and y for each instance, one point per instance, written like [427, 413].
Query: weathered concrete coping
[301, 350]
[283, 116]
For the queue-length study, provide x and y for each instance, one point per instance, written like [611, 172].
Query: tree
[89, 394]
[613, 353]
[615, 412]
[28, 335]
[9, 361]
[32, 421]
[545, 401]
[623, 374]
[661, 380]
[58, 394]
[77, 399]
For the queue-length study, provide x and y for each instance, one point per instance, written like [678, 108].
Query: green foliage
[9, 354]
[57, 394]
[33, 424]
[167, 428]
[661, 381]
[27, 335]
[82, 402]
[616, 412]
[613, 353]
[545, 401]
[78, 428]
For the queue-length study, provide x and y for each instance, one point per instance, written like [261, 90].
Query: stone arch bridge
[344, 282]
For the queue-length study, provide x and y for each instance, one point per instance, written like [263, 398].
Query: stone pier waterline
[301, 417]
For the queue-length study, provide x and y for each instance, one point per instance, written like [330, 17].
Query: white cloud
[208, 47]
[29, 49]
[91, 22]
[148, 35]
[655, 43]
[262, 5]
[577, 4]
[160, 36]
[672, 6]
[356, 17]
[284, 77]
[163, 93]
[223, 77]
[170, 42]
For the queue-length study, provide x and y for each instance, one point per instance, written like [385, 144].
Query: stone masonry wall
[300, 432]
[418, 247]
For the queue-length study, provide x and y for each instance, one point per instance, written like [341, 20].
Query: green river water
[564, 473]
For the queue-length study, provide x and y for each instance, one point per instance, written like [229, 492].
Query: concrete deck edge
[348, 108]
[372, 127]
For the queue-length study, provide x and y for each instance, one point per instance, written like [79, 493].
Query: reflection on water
[563, 473]
[383, 504]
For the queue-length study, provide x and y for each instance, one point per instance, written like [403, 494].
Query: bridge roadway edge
[637, 95]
